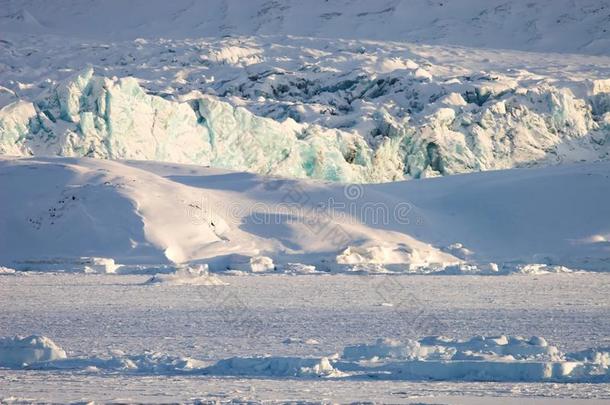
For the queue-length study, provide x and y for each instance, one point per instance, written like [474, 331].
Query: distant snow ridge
[481, 358]
[541, 25]
[438, 128]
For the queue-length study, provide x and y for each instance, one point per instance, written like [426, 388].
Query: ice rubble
[22, 351]
[496, 358]
[481, 358]
[103, 265]
[187, 275]
[419, 127]
[274, 367]
[7, 270]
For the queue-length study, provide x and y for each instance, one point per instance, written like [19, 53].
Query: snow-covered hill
[541, 25]
[60, 210]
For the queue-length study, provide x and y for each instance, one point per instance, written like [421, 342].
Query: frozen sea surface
[292, 316]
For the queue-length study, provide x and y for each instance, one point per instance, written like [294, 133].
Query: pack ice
[481, 358]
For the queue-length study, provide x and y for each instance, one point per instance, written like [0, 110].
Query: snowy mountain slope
[153, 213]
[542, 25]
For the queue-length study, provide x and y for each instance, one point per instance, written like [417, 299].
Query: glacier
[402, 125]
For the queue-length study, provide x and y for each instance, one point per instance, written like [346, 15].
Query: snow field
[128, 217]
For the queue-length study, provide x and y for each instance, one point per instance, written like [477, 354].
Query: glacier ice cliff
[402, 124]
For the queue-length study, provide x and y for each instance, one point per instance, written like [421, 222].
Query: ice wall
[463, 127]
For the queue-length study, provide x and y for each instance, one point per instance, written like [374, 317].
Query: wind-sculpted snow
[103, 216]
[494, 358]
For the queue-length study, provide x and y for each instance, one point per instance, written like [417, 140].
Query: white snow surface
[124, 337]
[235, 137]
[129, 214]
[145, 214]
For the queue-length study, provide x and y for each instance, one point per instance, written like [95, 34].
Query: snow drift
[130, 214]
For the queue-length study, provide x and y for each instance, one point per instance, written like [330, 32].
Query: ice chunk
[254, 264]
[15, 125]
[196, 275]
[260, 264]
[274, 367]
[383, 348]
[20, 351]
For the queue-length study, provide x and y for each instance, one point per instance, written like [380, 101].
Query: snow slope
[543, 25]
[144, 213]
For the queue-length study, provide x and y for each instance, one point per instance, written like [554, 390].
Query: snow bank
[142, 217]
[116, 214]
[24, 351]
